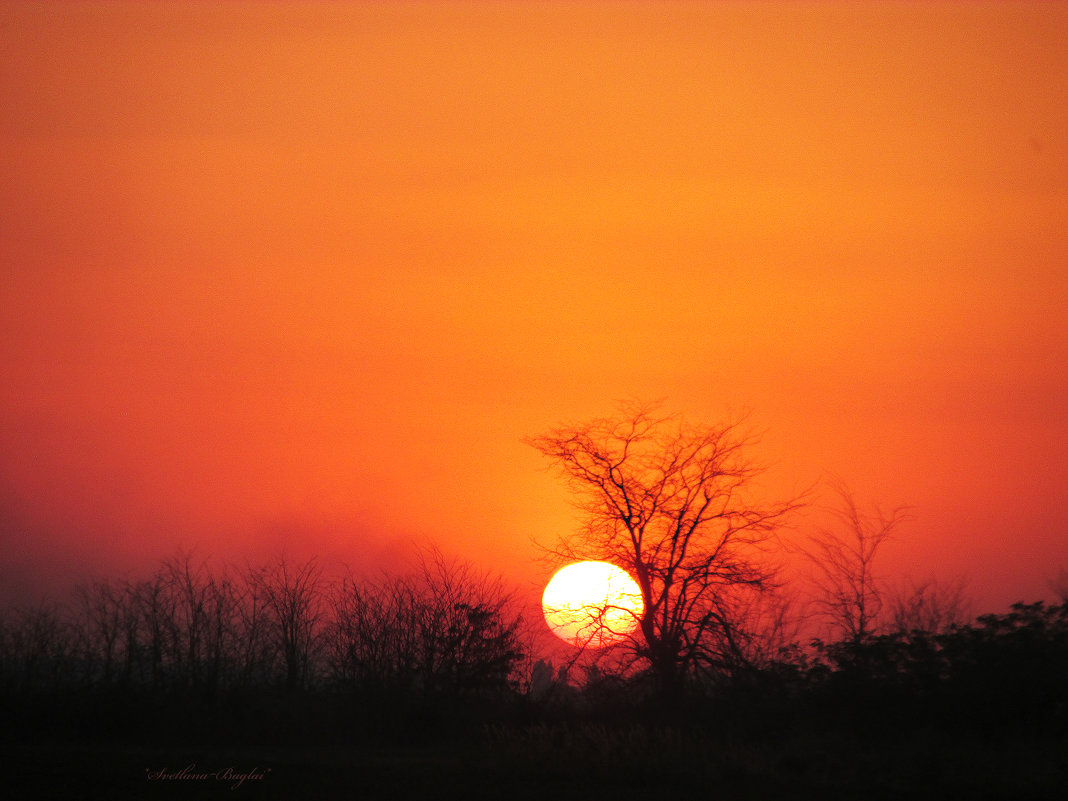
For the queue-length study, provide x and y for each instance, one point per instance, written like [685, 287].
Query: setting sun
[592, 604]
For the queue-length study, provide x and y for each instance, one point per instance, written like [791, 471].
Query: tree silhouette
[850, 592]
[35, 650]
[672, 504]
[931, 606]
[444, 630]
[292, 598]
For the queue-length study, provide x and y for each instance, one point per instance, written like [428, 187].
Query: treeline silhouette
[446, 643]
[271, 651]
[280, 656]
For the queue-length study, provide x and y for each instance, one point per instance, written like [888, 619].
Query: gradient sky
[306, 274]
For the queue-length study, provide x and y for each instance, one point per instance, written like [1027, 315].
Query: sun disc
[592, 604]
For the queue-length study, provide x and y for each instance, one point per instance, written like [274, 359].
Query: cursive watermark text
[192, 773]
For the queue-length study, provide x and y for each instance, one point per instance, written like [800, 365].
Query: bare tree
[292, 597]
[109, 628]
[156, 605]
[672, 504]
[188, 585]
[470, 639]
[446, 628]
[179, 629]
[35, 652]
[850, 592]
[373, 638]
[930, 606]
[252, 646]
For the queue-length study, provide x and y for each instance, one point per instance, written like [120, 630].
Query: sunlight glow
[592, 604]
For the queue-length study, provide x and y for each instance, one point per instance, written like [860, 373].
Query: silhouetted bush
[999, 671]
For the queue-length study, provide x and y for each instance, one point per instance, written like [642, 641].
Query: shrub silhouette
[999, 671]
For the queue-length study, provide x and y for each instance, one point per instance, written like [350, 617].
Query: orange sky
[276, 272]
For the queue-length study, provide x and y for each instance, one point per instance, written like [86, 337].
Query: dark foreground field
[551, 762]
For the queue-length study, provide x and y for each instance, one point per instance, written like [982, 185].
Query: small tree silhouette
[292, 599]
[849, 589]
[930, 606]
